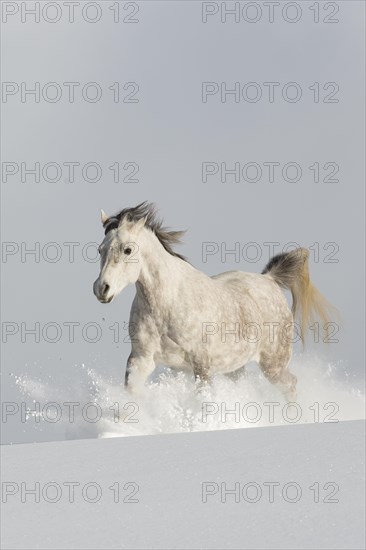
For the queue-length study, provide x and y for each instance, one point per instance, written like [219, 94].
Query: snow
[170, 404]
[170, 471]
[293, 480]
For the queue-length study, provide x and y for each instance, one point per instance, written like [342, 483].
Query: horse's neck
[161, 273]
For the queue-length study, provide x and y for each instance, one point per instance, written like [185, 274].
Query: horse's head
[120, 258]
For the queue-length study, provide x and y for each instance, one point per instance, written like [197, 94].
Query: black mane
[147, 210]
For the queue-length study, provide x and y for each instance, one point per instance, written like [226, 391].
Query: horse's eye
[128, 250]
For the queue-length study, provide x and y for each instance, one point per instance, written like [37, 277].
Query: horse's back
[242, 276]
[262, 289]
[251, 281]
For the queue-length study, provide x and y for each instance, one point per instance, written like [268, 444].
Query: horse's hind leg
[275, 369]
[236, 374]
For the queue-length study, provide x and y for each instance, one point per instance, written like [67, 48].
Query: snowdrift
[281, 487]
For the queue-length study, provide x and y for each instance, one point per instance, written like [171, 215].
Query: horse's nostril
[105, 289]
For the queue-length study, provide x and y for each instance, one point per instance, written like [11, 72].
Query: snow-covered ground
[295, 479]
[291, 487]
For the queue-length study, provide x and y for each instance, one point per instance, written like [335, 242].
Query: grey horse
[185, 319]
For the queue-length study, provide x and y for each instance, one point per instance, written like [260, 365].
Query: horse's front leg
[201, 373]
[138, 370]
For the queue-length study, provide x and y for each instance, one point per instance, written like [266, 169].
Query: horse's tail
[291, 270]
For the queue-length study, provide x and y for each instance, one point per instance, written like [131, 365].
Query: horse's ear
[103, 216]
[140, 224]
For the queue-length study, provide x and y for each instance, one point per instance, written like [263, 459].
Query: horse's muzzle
[101, 292]
[108, 301]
